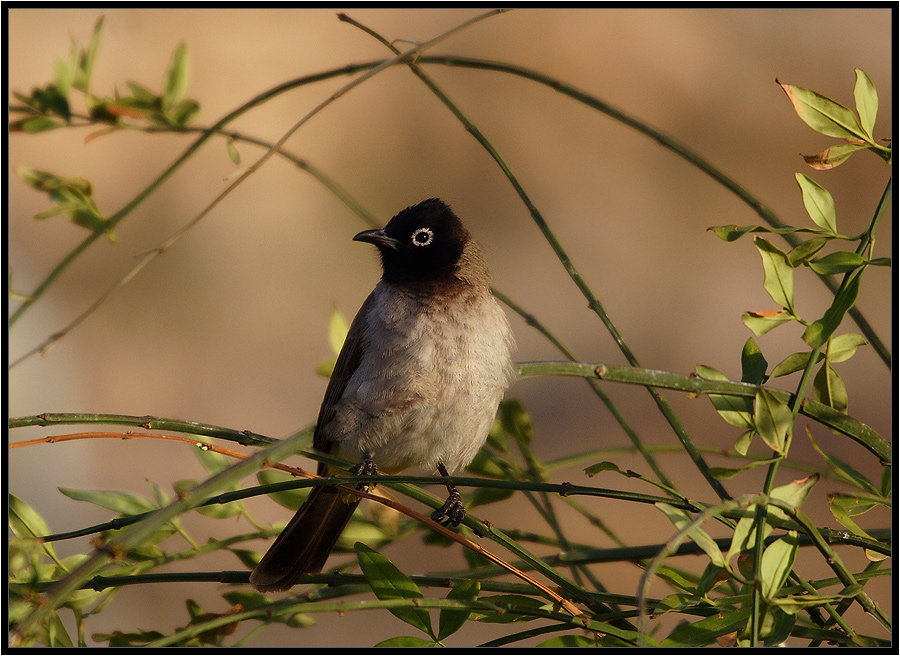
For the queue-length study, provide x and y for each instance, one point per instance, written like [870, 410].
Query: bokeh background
[229, 325]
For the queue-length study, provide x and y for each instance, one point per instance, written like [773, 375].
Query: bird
[417, 383]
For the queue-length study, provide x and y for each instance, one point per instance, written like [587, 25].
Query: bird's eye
[422, 237]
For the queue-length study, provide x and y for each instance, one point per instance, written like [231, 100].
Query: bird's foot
[366, 467]
[453, 511]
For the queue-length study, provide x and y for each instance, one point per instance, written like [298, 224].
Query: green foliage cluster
[750, 592]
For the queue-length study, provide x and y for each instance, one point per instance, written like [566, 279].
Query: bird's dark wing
[347, 362]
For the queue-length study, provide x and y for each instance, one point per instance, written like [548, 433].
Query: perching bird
[417, 382]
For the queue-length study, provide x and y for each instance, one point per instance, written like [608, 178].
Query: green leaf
[777, 562]
[388, 582]
[726, 473]
[508, 616]
[233, 154]
[823, 114]
[829, 388]
[35, 124]
[65, 74]
[595, 469]
[452, 620]
[120, 639]
[736, 410]
[700, 537]
[516, 421]
[839, 510]
[176, 81]
[733, 232]
[779, 280]
[776, 626]
[56, 634]
[337, 330]
[87, 58]
[843, 347]
[742, 444]
[818, 332]
[406, 641]
[886, 481]
[484, 496]
[840, 262]
[753, 364]
[212, 462]
[773, 420]
[704, 632]
[764, 321]
[793, 604]
[805, 250]
[24, 521]
[843, 470]
[568, 640]
[833, 156]
[794, 493]
[183, 112]
[793, 362]
[144, 97]
[818, 202]
[290, 499]
[866, 98]
[126, 503]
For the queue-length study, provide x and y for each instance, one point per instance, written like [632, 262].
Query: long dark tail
[305, 543]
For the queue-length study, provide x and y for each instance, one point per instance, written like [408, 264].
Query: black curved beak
[379, 238]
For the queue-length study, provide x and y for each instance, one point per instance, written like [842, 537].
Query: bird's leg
[366, 467]
[453, 511]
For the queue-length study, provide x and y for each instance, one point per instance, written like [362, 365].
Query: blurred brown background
[228, 326]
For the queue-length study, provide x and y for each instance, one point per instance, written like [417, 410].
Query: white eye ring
[417, 241]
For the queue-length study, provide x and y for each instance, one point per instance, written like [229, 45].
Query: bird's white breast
[432, 373]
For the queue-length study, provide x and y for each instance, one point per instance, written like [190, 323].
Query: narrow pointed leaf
[777, 562]
[388, 582]
[844, 470]
[726, 473]
[793, 362]
[840, 262]
[829, 388]
[779, 275]
[763, 321]
[804, 251]
[773, 420]
[866, 98]
[823, 114]
[742, 443]
[406, 642]
[843, 347]
[839, 510]
[794, 493]
[833, 156]
[753, 363]
[452, 620]
[126, 503]
[818, 202]
[337, 330]
[818, 332]
[290, 499]
[700, 537]
[176, 81]
[516, 421]
[736, 410]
